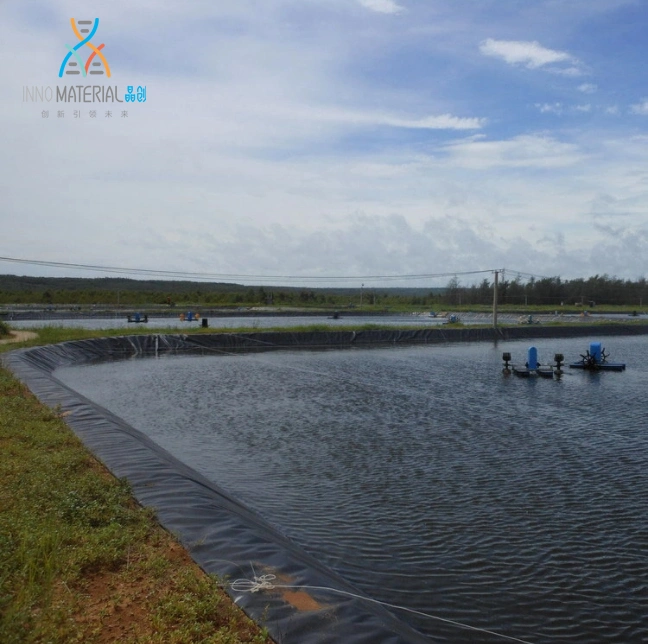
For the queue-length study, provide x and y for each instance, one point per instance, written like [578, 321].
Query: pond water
[270, 321]
[258, 322]
[424, 476]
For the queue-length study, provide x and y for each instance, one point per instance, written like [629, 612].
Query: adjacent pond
[270, 321]
[424, 476]
[233, 322]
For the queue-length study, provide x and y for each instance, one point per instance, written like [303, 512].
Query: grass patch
[4, 329]
[80, 560]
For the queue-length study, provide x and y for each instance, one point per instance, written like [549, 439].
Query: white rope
[253, 586]
[264, 582]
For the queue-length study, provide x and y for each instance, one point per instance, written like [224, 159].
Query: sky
[327, 138]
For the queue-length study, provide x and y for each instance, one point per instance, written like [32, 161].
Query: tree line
[246, 296]
[551, 291]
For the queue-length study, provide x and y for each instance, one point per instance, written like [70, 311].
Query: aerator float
[595, 359]
[138, 318]
[531, 368]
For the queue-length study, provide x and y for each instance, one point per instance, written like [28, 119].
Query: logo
[96, 69]
[96, 63]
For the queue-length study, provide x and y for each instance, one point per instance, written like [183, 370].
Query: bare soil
[19, 336]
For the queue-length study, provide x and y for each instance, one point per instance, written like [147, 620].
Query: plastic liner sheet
[222, 535]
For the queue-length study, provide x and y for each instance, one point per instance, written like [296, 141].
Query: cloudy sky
[332, 137]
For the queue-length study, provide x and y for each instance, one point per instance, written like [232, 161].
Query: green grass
[56, 334]
[4, 329]
[80, 560]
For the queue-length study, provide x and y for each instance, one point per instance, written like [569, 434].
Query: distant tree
[485, 292]
[515, 292]
[453, 292]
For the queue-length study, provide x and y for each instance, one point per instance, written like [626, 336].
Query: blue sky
[334, 137]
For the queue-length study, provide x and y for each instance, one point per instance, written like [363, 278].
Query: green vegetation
[86, 292]
[80, 561]
[552, 292]
[4, 329]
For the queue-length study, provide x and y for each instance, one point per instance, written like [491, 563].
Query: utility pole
[495, 300]
[361, 289]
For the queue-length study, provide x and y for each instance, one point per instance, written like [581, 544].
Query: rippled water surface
[425, 477]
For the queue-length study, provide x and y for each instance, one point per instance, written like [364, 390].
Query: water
[426, 477]
[266, 322]
[260, 322]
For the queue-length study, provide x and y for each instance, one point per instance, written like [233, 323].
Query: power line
[233, 276]
[528, 275]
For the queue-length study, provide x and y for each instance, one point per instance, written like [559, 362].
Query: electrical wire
[245, 276]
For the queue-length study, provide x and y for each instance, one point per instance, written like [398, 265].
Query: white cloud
[441, 122]
[568, 71]
[302, 122]
[522, 52]
[356, 118]
[640, 108]
[526, 151]
[588, 88]
[382, 6]
[530, 54]
[583, 108]
[554, 108]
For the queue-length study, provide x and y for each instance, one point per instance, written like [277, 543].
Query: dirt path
[19, 336]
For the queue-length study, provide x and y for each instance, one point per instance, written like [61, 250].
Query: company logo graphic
[76, 92]
[72, 63]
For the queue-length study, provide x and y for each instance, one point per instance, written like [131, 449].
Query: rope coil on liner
[264, 582]
[253, 586]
